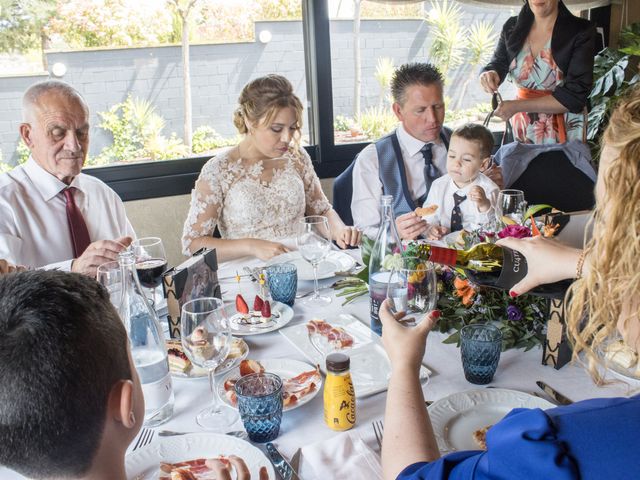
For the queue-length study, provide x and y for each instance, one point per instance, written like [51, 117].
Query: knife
[281, 465]
[553, 393]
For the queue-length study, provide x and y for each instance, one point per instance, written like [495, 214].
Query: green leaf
[454, 338]
[533, 209]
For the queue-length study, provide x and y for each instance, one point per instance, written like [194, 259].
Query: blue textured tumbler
[260, 405]
[481, 345]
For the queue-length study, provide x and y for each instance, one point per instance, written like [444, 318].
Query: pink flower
[515, 231]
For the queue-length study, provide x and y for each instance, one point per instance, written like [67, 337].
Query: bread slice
[480, 436]
[426, 211]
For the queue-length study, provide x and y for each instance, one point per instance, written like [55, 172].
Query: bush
[206, 139]
[137, 134]
[377, 121]
[342, 123]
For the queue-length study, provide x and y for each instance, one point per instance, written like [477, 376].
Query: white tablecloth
[517, 370]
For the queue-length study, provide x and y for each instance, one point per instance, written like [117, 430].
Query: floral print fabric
[253, 200]
[541, 73]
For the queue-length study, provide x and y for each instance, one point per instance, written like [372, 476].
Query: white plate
[370, 367]
[456, 417]
[450, 240]
[281, 314]
[284, 368]
[144, 463]
[626, 374]
[228, 364]
[333, 262]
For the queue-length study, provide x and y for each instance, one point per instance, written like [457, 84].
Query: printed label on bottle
[339, 402]
[514, 268]
[443, 256]
[157, 394]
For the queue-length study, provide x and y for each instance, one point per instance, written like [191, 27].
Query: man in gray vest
[405, 162]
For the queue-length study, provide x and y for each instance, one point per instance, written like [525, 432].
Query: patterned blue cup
[480, 349]
[260, 405]
[282, 279]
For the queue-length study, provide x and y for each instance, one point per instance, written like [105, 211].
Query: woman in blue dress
[592, 439]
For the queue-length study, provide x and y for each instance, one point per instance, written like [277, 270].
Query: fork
[378, 431]
[145, 438]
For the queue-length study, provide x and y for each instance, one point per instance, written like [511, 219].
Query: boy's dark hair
[413, 74]
[62, 348]
[476, 133]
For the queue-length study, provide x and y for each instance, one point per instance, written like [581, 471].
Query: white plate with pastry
[461, 419]
[254, 323]
[621, 360]
[180, 366]
[158, 459]
[335, 261]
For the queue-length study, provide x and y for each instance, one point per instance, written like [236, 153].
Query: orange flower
[464, 291]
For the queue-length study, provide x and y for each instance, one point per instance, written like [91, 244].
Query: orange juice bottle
[339, 397]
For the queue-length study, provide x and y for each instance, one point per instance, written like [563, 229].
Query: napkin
[344, 455]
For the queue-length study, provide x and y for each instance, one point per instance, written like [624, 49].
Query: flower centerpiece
[522, 320]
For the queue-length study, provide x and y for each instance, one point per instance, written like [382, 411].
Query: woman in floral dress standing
[548, 54]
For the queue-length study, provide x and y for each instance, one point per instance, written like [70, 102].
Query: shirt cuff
[62, 266]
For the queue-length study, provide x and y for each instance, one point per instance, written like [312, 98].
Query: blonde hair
[607, 292]
[262, 99]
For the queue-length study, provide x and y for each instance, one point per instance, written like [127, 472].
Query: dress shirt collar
[47, 185]
[460, 191]
[411, 144]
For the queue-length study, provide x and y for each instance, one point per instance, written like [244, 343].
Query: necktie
[456, 213]
[77, 227]
[430, 171]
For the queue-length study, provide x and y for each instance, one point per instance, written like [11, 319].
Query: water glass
[109, 276]
[412, 287]
[282, 279]
[260, 405]
[511, 204]
[481, 345]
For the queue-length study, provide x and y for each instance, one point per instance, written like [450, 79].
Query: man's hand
[478, 196]
[348, 237]
[6, 267]
[405, 346]
[97, 253]
[223, 470]
[490, 81]
[494, 172]
[410, 226]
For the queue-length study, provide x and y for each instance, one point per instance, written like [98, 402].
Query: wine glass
[151, 263]
[206, 340]
[314, 242]
[109, 275]
[412, 287]
[511, 204]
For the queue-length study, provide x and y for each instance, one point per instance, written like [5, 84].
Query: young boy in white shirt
[465, 197]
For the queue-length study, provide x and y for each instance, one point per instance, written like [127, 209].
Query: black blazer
[572, 47]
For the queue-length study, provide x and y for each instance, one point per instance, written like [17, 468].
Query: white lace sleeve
[207, 199]
[316, 201]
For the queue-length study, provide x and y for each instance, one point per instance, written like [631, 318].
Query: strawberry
[257, 304]
[241, 305]
[266, 309]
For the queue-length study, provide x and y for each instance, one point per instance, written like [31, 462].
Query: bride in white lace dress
[257, 191]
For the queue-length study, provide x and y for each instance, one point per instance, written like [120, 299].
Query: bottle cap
[386, 200]
[338, 362]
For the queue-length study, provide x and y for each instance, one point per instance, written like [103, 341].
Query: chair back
[342, 193]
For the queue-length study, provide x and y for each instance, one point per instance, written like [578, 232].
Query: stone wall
[219, 71]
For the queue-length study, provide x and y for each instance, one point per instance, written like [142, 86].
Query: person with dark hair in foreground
[70, 398]
[593, 439]
[405, 163]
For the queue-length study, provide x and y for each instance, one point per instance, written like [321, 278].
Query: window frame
[144, 180]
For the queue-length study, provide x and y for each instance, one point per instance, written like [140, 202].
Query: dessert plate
[239, 352]
[455, 418]
[335, 261]
[254, 324]
[285, 368]
[144, 463]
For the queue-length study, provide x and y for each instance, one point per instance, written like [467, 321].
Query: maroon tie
[77, 226]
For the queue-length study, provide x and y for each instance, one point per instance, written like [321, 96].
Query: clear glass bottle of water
[385, 253]
[147, 344]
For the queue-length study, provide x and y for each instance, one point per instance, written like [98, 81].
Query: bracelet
[580, 264]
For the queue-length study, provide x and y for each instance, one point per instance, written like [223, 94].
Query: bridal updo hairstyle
[261, 100]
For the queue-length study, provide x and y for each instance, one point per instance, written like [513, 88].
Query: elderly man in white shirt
[51, 214]
[405, 163]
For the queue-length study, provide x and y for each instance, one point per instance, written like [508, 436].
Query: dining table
[517, 370]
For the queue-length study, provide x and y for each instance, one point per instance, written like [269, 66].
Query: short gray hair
[31, 97]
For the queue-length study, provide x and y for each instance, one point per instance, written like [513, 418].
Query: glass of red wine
[151, 263]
